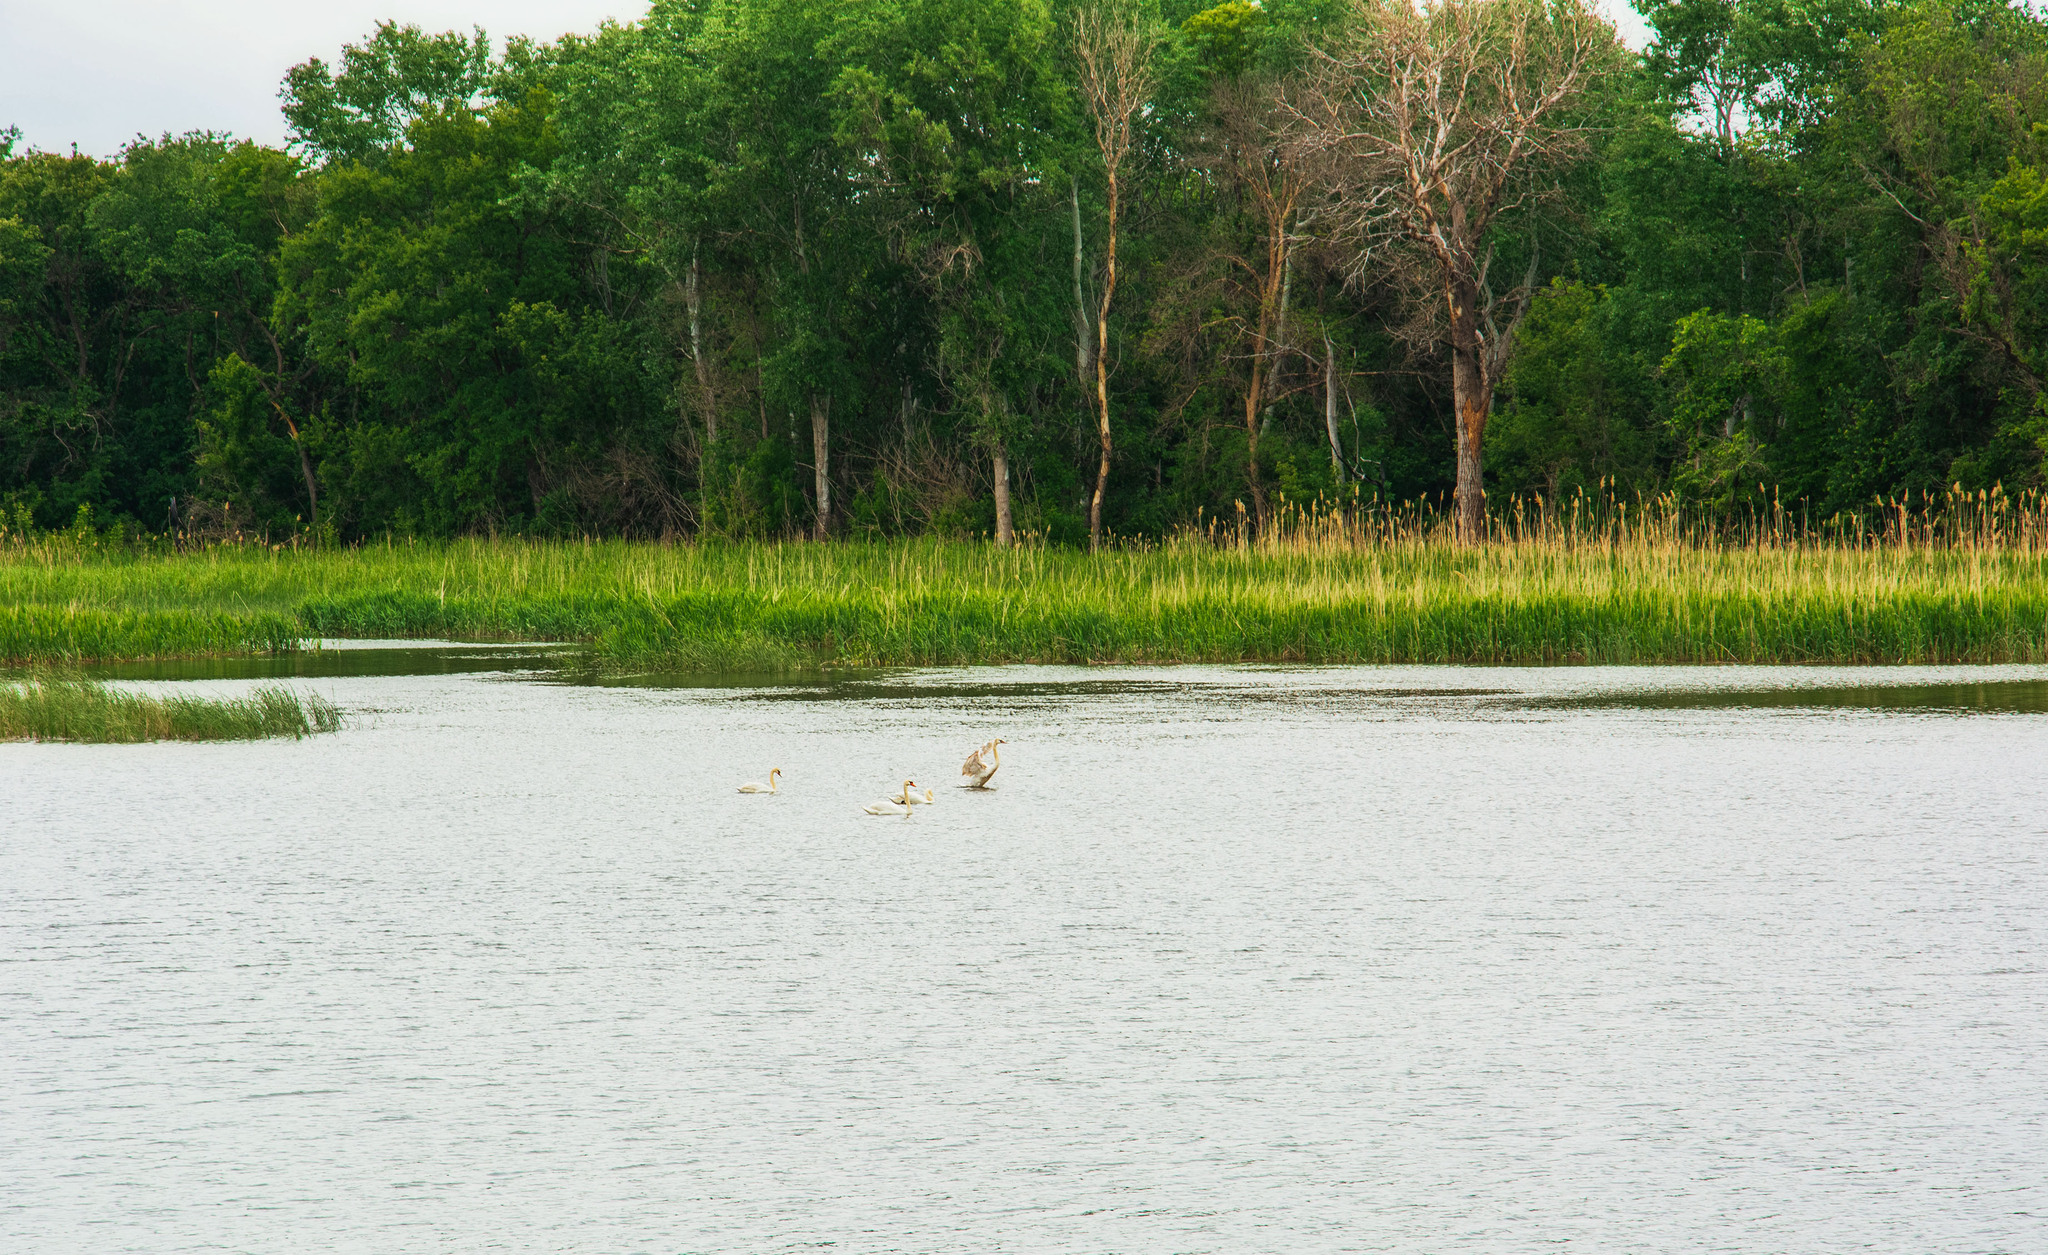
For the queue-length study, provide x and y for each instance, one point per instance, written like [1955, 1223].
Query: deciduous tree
[1431, 125]
[1113, 46]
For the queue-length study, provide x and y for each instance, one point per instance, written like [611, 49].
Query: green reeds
[1962, 580]
[73, 632]
[929, 603]
[43, 708]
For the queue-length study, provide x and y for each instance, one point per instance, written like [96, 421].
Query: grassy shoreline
[770, 606]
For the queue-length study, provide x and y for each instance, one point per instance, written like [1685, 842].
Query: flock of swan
[980, 766]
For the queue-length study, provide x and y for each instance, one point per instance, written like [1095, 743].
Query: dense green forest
[766, 267]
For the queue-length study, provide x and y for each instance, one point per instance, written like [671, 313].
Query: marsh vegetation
[1965, 583]
[47, 708]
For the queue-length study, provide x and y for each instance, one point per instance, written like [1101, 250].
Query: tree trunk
[821, 454]
[1080, 298]
[1472, 397]
[305, 463]
[1102, 373]
[1005, 533]
[1268, 345]
[1252, 429]
[1330, 407]
[1280, 323]
[693, 303]
[312, 492]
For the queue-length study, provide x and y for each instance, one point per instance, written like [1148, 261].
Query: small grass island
[44, 708]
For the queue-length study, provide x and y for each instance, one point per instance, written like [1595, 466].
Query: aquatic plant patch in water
[758, 607]
[46, 709]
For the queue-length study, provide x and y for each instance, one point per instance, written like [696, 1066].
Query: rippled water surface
[1241, 960]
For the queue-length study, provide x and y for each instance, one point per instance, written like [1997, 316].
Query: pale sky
[98, 72]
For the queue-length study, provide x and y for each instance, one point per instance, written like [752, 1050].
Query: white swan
[911, 798]
[769, 787]
[896, 805]
[979, 771]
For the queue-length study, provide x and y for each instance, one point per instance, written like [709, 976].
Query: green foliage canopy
[677, 276]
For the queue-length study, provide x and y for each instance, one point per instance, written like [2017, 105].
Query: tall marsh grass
[1964, 580]
[57, 709]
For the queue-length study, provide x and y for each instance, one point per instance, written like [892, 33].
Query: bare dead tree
[1267, 175]
[1113, 44]
[1426, 124]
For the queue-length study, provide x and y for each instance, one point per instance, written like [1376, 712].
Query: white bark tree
[1113, 44]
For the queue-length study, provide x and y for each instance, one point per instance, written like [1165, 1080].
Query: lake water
[1231, 960]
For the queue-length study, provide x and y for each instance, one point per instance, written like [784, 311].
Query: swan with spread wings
[982, 764]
